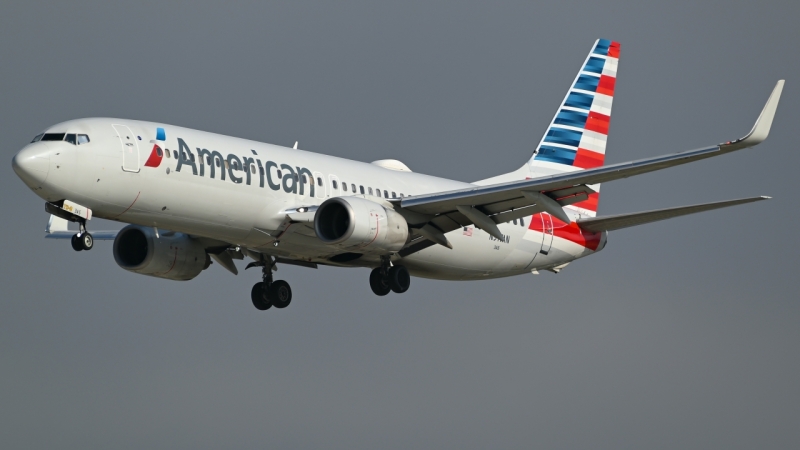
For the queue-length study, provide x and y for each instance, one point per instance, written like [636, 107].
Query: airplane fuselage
[237, 191]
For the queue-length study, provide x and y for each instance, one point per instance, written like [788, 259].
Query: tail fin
[576, 138]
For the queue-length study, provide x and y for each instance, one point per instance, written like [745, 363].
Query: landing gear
[259, 296]
[281, 294]
[83, 240]
[76, 243]
[379, 282]
[399, 279]
[268, 293]
[384, 279]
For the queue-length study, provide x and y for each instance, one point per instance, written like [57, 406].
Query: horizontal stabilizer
[616, 222]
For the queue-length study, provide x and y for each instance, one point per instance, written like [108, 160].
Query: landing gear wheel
[281, 294]
[399, 279]
[260, 298]
[86, 240]
[378, 283]
[76, 243]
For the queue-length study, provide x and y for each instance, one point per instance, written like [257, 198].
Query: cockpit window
[84, 139]
[37, 138]
[72, 139]
[53, 137]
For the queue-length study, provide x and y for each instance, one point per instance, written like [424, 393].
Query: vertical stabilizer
[576, 137]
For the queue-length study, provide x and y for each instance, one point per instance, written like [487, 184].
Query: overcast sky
[680, 334]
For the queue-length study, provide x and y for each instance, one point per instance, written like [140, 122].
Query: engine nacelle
[358, 224]
[174, 256]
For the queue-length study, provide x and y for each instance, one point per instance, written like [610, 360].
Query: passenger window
[304, 179]
[522, 222]
[354, 188]
[370, 191]
[159, 152]
[253, 169]
[344, 186]
[515, 221]
[386, 193]
[394, 195]
[378, 192]
[280, 175]
[319, 181]
[37, 138]
[261, 170]
[166, 153]
[362, 190]
[335, 184]
[72, 139]
[175, 154]
[217, 162]
[208, 160]
[401, 195]
[83, 139]
[191, 156]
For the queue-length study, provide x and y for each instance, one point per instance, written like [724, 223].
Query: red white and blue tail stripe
[576, 138]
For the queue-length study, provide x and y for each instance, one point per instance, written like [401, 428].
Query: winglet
[760, 130]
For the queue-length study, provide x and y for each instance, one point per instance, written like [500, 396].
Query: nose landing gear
[268, 293]
[73, 212]
[82, 240]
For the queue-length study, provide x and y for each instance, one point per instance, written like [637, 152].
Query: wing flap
[608, 223]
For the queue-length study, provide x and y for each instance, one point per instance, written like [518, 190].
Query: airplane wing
[484, 206]
[616, 222]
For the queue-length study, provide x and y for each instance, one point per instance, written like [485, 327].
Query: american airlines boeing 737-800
[190, 196]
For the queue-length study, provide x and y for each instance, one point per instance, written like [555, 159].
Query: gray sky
[680, 334]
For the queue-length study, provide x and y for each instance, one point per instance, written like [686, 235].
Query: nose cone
[32, 164]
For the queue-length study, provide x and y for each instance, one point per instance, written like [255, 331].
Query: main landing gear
[268, 293]
[389, 278]
[83, 240]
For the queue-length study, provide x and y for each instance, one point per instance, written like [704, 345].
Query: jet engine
[174, 256]
[358, 224]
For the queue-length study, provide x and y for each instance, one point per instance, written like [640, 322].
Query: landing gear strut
[268, 293]
[389, 278]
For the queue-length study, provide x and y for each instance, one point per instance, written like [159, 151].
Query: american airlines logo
[245, 169]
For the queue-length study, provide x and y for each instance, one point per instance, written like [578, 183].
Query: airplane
[191, 197]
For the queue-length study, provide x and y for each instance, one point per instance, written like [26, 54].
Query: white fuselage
[115, 175]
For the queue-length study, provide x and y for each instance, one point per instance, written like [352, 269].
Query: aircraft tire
[259, 297]
[87, 241]
[399, 279]
[76, 243]
[281, 294]
[379, 285]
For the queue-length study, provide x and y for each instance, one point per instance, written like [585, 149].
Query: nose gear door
[130, 148]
